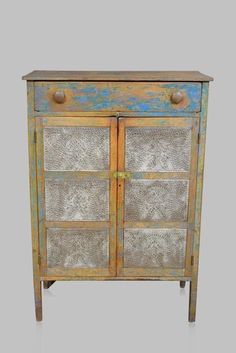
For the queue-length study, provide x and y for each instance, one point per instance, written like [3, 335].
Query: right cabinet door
[157, 160]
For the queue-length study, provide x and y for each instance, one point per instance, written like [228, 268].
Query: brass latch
[122, 175]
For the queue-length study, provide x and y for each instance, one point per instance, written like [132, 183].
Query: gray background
[118, 35]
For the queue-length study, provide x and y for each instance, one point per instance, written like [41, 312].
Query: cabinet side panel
[34, 202]
[198, 205]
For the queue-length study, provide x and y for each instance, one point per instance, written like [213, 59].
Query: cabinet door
[76, 158]
[156, 195]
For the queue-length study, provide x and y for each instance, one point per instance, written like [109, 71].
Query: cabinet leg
[47, 284]
[38, 299]
[182, 284]
[192, 301]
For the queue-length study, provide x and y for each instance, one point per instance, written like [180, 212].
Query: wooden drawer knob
[59, 97]
[177, 97]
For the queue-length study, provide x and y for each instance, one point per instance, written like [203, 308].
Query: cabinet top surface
[117, 76]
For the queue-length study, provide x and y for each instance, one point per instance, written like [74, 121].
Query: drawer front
[117, 96]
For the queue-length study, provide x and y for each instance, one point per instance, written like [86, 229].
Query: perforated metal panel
[158, 248]
[77, 248]
[77, 200]
[152, 200]
[76, 148]
[158, 149]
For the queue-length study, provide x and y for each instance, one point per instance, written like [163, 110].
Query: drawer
[117, 96]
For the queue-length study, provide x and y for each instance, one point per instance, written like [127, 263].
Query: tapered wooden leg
[198, 205]
[47, 284]
[192, 301]
[182, 284]
[38, 299]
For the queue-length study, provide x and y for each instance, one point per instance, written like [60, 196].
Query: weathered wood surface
[172, 272]
[117, 76]
[192, 194]
[114, 99]
[117, 96]
[67, 175]
[115, 278]
[34, 205]
[198, 204]
[95, 115]
[78, 224]
[122, 224]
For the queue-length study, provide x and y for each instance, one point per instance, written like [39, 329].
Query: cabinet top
[40, 75]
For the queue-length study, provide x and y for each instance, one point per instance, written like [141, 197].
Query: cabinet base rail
[114, 278]
[47, 282]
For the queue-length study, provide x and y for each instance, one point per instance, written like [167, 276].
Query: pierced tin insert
[76, 148]
[158, 248]
[158, 149]
[77, 248]
[152, 200]
[77, 200]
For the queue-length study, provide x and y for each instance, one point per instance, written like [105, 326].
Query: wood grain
[192, 193]
[34, 205]
[115, 278]
[39, 75]
[117, 96]
[198, 204]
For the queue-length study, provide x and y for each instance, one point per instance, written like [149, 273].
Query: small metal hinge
[198, 138]
[35, 136]
[192, 260]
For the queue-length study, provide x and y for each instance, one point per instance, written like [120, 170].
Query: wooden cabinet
[116, 169]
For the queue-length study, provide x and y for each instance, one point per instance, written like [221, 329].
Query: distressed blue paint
[105, 93]
[41, 214]
[87, 90]
[40, 163]
[81, 99]
[84, 96]
[143, 107]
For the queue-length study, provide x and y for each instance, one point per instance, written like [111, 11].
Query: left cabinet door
[76, 161]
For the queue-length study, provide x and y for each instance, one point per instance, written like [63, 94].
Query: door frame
[42, 122]
[191, 176]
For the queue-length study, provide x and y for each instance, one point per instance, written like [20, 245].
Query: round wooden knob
[177, 97]
[59, 97]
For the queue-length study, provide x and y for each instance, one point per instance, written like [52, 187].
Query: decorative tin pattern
[151, 200]
[161, 248]
[76, 148]
[77, 200]
[77, 248]
[158, 149]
